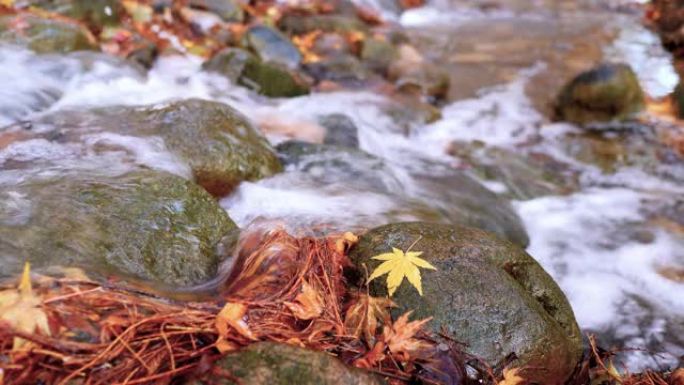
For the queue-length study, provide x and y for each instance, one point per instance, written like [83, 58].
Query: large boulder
[144, 225]
[44, 35]
[268, 363]
[269, 79]
[220, 145]
[486, 292]
[604, 94]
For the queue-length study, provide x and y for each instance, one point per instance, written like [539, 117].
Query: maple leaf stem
[414, 243]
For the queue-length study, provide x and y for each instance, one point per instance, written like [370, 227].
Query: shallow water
[506, 64]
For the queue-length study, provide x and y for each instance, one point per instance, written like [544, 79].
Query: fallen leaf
[371, 359]
[233, 315]
[20, 308]
[511, 377]
[308, 303]
[400, 336]
[362, 317]
[677, 377]
[345, 242]
[398, 265]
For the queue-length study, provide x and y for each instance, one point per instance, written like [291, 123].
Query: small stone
[273, 47]
[604, 94]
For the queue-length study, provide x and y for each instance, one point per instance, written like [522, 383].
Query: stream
[601, 235]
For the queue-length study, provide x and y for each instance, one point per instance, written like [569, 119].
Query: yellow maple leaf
[20, 308]
[398, 265]
[511, 377]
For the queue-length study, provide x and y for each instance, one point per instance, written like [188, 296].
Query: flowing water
[603, 243]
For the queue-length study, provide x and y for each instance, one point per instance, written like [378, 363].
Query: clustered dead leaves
[281, 288]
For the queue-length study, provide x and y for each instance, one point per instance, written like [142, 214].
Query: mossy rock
[606, 93]
[144, 225]
[44, 35]
[269, 79]
[269, 363]
[220, 145]
[378, 54]
[486, 292]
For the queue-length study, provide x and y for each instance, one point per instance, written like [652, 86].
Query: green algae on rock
[44, 35]
[145, 225]
[220, 145]
[269, 79]
[269, 363]
[606, 93]
[486, 293]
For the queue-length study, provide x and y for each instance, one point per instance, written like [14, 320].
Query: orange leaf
[308, 304]
[371, 359]
[362, 317]
[511, 377]
[400, 337]
[233, 315]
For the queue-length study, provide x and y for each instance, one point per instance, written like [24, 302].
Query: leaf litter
[71, 330]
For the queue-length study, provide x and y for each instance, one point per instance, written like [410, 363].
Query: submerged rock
[44, 35]
[269, 79]
[272, 46]
[145, 225]
[606, 93]
[524, 176]
[486, 293]
[220, 145]
[269, 363]
[340, 130]
[452, 196]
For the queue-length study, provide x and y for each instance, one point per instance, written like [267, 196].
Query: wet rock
[413, 74]
[269, 79]
[272, 46]
[300, 24]
[606, 93]
[525, 176]
[451, 195]
[220, 145]
[228, 10]
[44, 35]
[343, 68]
[330, 44]
[145, 225]
[378, 54]
[269, 363]
[145, 55]
[340, 130]
[486, 292]
[610, 151]
[96, 13]
[666, 16]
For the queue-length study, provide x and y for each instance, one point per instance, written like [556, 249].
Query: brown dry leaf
[233, 315]
[308, 304]
[20, 308]
[400, 337]
[371, 359]
[345, 242]
[512, 377]
[677, 377]
[362, 317]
